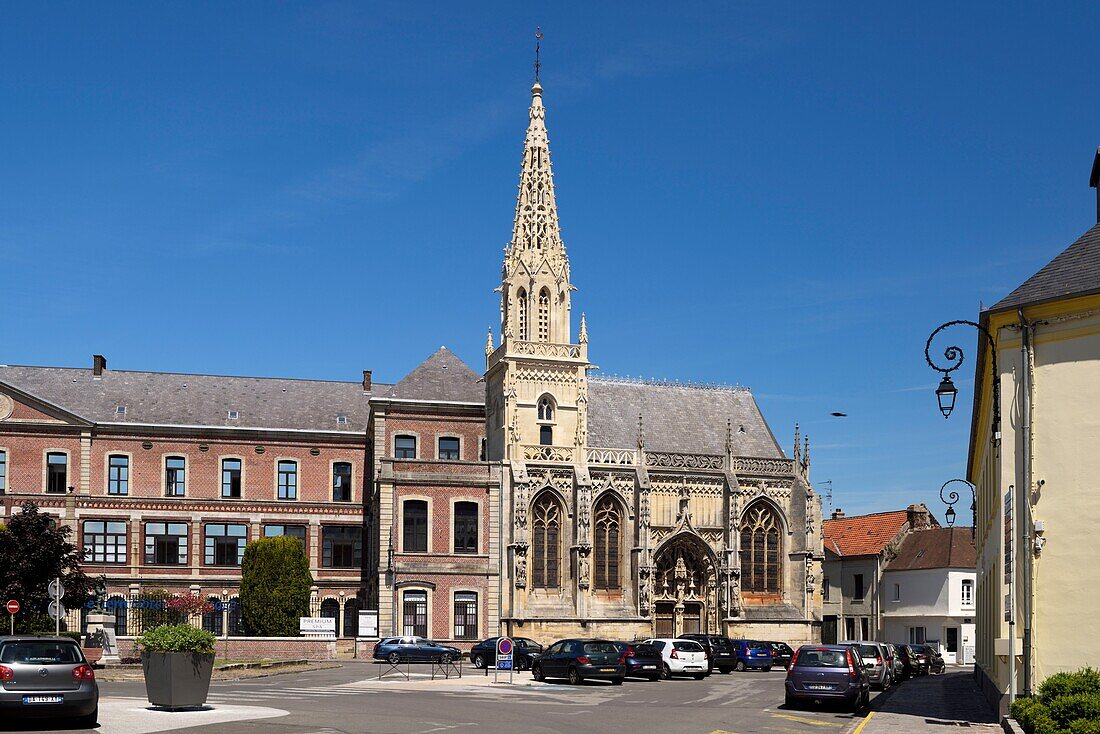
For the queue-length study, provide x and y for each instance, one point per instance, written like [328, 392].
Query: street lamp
[952, 497]
[946, 392]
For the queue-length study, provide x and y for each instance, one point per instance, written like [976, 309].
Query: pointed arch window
[544, 315]
[546, 408]
[608, 531]
[546, 542]
[521, 314]
[761, 550]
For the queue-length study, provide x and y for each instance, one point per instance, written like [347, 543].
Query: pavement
[928, 704]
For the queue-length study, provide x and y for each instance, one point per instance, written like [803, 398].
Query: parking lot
[350, 698]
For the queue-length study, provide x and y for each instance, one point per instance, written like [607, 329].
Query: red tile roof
[936, 548]
[863, 535]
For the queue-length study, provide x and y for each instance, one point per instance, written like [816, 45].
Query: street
[351, 699]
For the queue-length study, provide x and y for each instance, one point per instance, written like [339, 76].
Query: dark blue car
[641, 660]
[752, 654]
[525, 652]
[827, 673]
[414, 649]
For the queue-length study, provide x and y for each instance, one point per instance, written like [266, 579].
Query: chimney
[1094, 182]
[99, 363]
[366, 380]
[838, 514]
[918, 517]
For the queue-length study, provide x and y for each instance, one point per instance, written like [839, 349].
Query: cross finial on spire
[538, 39]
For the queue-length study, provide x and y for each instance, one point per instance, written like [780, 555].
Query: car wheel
[654, 678]
[394, 658]
[617, 681]
[724, 669]
[522, 664]
[740, 666]
[536, 672]
[575, 677]
[88, 721]
[666, 672]
[789, 701]
[445, 658]
[479, 661]
[699, 676]
[767, 668]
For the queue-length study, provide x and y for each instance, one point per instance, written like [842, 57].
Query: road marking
[722, 731]
[863, 723]
[804, 720]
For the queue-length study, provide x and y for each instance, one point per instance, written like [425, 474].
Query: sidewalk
[927, 704]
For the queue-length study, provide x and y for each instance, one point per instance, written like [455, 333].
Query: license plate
[818, 687]
[649, 667]
[42, 699]
[607, 670]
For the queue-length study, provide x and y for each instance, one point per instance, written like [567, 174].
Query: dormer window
[120, 410]
[233, 415]
[341, 420]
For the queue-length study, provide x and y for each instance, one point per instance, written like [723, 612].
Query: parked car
[524, 652]
[896, 665]
[910, 666]
[918, 660]
[47, 677]
[752, 654]
[719, 648]
[827, 673]
[578, 660]
[641, 660]
[936, 663]
[681, 657]
[875, 661]
[781, 653]
[414, 649]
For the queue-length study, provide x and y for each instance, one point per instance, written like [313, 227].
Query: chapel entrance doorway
[686, 588]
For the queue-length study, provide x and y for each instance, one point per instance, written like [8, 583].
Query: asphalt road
[350, 700]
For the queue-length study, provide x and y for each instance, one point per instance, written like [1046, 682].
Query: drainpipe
[1027, 357]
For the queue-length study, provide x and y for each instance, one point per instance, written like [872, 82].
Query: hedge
[1068, 703]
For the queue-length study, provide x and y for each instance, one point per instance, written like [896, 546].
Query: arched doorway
[685, 588]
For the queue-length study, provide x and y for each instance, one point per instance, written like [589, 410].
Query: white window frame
[297, 479]
[332, 480]
[186, 474]
[107, 472]
[477, 600]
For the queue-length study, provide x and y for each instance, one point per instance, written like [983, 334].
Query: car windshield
[719, 641]
[758, 646]
[39, 653]
[783, 647]
[817, 658]
[593, 647]
[868, 651]
[687, 646]
[643, 649]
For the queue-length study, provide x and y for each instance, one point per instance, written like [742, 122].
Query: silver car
[47, 677]
[876, 662]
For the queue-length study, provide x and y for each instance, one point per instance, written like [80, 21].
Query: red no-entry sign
[13, 607]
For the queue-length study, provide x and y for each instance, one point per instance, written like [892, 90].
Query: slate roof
[936, 548]
[1075, 272]
[677, 418]
[167, 398]
[441, 377]
[863, 535]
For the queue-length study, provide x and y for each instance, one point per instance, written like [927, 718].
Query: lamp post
[952, 497]
[946, 392]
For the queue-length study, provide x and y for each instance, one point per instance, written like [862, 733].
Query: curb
[262, 664]
[1011, 726]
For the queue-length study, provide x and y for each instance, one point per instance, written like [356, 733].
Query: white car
[681, 657]
[876, 660]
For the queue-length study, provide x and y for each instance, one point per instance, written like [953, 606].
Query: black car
[935, 660]
[641, 660]
[781, 654]
[577, 660]
[719, 649]
[919, 660]
[414, 649]
[525, 651]
[910, 666]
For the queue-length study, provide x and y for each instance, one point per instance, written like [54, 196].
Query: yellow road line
[722, 731]
[863, 723]
[804, 720]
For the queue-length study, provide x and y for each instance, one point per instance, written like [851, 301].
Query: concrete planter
[176, 680]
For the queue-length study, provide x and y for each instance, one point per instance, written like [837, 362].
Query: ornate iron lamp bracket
[954, 356]
[952, 498]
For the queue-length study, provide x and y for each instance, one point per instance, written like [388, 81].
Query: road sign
[57, 610]
[504, 653]
[13, 607]
[55, 589]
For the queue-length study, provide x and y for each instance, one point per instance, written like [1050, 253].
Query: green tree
[275, 583]
[34, 550]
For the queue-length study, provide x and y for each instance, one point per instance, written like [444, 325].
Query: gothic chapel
[632, 508]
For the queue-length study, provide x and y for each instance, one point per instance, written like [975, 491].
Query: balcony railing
[669, 460]
[557, 454]
[615, 457]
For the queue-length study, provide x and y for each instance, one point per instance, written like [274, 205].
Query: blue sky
[784, 196]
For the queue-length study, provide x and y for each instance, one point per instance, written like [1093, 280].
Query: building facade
[857, 549]
[927, 593]
[1037, 501]
[631, 508]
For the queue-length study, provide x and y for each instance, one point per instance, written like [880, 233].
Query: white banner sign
[317, 626]
[368, 623]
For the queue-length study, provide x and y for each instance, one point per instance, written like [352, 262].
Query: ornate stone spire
[582, 337]
[489, 348]
[797, 439]
[535, 234]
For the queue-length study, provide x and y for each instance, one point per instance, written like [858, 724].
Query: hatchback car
[876, 662]
[897, 667]
[781, 653]
[827, 673]
[524, 652]
[752, 654]
[641, 660]
[916, 663]
[720, 653]
[936, 663]
[910, 666]
[577, 660]
[47, 677]
[681, 657]
[414, 649]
